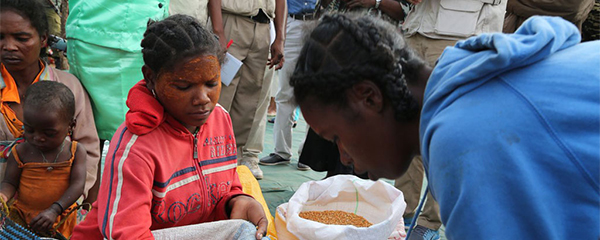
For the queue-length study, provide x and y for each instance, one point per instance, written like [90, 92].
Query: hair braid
[177, 37]
[406, 107]
[367, 34]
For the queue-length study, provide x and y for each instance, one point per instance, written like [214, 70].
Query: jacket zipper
[196, 145]
[200, 175]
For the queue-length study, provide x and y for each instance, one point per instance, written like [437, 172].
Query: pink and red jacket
[159, 175]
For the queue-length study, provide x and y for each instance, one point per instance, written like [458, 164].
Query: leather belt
[303, 16]
[261, 17]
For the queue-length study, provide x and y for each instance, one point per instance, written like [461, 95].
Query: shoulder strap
[73, 151]
[16, 155]
[73, 147]
[413, 223]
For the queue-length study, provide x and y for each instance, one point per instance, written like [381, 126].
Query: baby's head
[48, 114]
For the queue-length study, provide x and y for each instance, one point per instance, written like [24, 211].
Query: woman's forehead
[320, 116]
[16, 19]
[205, 68]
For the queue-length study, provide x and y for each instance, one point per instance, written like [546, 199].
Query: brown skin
[45, 131]
[20, 46]
[189, 92]
[276, 60]
[244, 207]
[216, 18]
[366, 132]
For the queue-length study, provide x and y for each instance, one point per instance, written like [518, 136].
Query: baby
[47, 170]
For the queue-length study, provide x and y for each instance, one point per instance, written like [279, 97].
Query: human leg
[411, 184]
[272, 109]
[231, 25]
[284, 119]
[428, 48]
[248, 100]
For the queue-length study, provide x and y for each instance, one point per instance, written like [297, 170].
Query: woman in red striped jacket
[173, 162]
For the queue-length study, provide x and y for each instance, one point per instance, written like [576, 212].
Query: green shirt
[104, 52]
[116, 24]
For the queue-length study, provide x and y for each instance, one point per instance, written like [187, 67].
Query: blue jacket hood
[474, 61]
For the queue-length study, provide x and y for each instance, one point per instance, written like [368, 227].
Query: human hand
[223, 43]
[415, 2]
[276, 55]
[43, 222]
[4, 197]
[361, 3]
[244, 207]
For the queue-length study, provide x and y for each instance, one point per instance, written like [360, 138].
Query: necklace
[50, 168]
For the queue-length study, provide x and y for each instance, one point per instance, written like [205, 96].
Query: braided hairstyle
[345, 49]
[177, 38]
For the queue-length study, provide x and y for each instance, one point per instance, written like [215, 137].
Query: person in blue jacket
[508, 124]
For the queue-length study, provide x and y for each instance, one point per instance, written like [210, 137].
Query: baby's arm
[46, 218]
[11, 179]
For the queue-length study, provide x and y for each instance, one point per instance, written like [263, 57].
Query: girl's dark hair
[51, 96]
[344, 49]
[175, 38]
[33, 10]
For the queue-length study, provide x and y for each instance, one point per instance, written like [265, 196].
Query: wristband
[377, 2]
[60, 206]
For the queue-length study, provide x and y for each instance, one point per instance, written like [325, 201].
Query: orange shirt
[10, 93]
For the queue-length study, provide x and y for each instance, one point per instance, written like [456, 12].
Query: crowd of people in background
[409, 77]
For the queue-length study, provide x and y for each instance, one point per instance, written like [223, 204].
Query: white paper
[229, 69]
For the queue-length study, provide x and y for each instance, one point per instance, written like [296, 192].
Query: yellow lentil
[336, 218]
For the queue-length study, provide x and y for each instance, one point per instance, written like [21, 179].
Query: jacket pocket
[458, 17]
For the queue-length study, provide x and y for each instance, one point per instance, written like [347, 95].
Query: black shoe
[273, 159]
[303, 167]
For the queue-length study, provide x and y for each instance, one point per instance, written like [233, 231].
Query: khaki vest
[455, 19]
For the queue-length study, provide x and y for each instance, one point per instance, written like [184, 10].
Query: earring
[153, 93]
